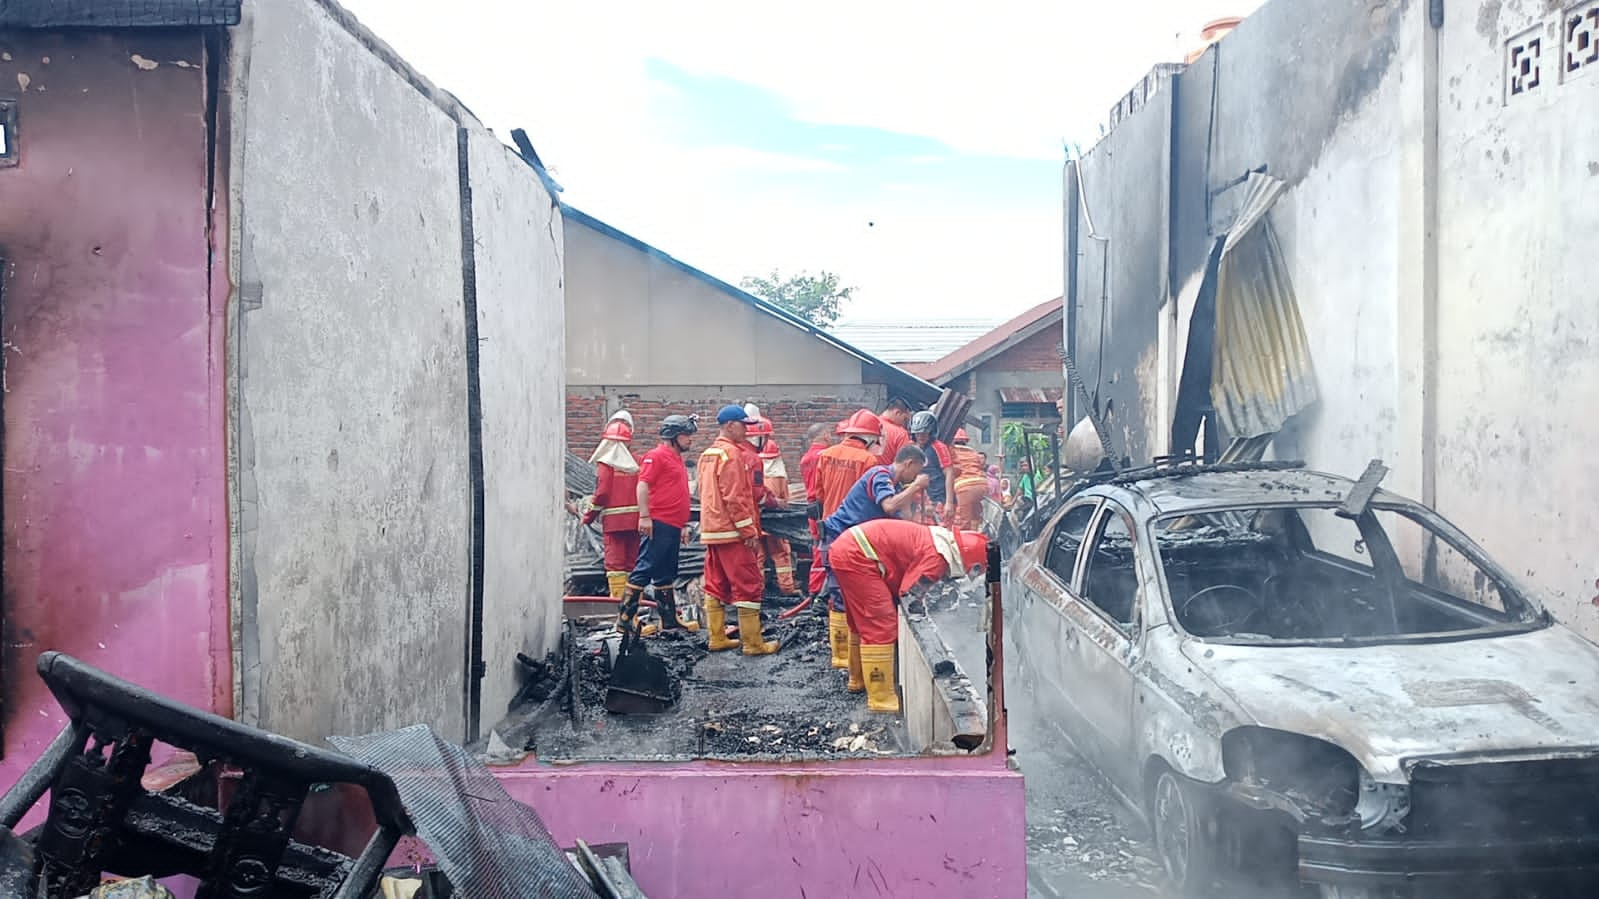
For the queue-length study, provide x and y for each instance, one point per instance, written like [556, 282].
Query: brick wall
[1036, 353]
[791, 412]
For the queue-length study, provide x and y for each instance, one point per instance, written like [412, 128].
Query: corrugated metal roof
[1263, 373]
[898, 341]
[1031, 394]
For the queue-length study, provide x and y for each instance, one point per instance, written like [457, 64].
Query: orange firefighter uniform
[615, 501]
[971, 483]
[729, 530]
[875, 564]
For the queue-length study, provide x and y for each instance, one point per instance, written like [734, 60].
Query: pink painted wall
[114, 522]
[947, 828]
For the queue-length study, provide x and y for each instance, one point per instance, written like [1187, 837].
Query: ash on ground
[790, 705]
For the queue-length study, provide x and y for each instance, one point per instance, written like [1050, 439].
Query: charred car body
[1281, 666]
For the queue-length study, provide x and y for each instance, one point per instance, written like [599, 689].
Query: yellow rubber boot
[838, 638]
[716, 639]
[878, 662]
[617, 581]
[857, 677]
[749, 631]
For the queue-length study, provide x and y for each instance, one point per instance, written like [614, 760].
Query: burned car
[1297, 676]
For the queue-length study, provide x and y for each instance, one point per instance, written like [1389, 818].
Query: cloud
[744, 137]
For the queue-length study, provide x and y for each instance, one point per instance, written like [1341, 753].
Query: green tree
[817, 299]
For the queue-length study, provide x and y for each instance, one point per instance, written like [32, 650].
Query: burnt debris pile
[782, 706]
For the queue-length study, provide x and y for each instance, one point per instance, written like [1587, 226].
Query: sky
[915, 149]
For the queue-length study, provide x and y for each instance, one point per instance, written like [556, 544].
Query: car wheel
[1183, 840]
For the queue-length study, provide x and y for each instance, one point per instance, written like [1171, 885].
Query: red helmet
[974, 549]
[839, 428]
[960, 436]
[761, 428]
[863, 423]
[770, 449]
[618, 429]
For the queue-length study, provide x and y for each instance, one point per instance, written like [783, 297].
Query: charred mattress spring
[1500, 800]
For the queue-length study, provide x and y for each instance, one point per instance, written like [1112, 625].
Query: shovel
[640, 683]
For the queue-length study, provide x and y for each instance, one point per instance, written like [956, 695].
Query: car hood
[1530, 692]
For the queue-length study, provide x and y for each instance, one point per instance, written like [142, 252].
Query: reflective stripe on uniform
[716, 451]
[619, 510]
[866, 547]
[744, 523]
[718, 535]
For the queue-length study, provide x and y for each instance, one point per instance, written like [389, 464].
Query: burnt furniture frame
[102, 819]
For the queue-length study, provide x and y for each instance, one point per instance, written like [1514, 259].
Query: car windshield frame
[1532, 618]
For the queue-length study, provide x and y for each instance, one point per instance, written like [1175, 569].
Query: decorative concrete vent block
[1524, 63]
[1580, 33]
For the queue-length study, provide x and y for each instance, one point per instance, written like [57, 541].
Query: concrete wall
[115, 546]
[1516, 364]
[1119, 282]
[521, 317]
[636, 320]
[1429, 227]
[355, 472]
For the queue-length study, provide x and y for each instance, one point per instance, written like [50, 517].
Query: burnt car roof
[1208, 487]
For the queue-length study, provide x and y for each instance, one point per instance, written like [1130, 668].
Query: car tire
[1184, 835]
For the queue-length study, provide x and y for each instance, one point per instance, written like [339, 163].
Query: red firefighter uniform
[895, 438]
[728, 528]
[875, 564]
[615, 501]
[775, 478]
[971, 484]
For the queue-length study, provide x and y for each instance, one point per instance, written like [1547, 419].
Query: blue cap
[731, 413]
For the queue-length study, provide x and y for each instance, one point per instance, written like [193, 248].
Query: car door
[1042, 631]
[1103, 620]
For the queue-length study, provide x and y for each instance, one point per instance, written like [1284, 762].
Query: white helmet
[623, 415]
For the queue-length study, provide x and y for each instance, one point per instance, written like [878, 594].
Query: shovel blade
[640, 684]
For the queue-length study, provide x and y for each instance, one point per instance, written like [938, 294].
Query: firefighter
[818, 437]
[971, 483]
[876, 495]
[940, 468]
[878, 562]
[729, 531]
[837, 469]
[663, 513]
[615, 500]
[894, 419]
[774, 478]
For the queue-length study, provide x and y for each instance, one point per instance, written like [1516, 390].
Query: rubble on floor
[790, 705]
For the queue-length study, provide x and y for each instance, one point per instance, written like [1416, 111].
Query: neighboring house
[1012, 373]
[282, 346]
[654, 335]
